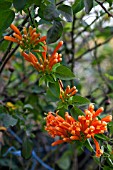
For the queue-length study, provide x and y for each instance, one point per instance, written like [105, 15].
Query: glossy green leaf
[48, 12]
[109, 147]
[88, 5]
[6, 18]
[78, 6]
[42, 80]
[19, 4]
[88, 145]
[67, 12]
[55, 32]
[102, 137]
[75, 112]
[27, 147]
[64, 73]
[53, 92]
[8, 120]
[50, 79]
[79, 100]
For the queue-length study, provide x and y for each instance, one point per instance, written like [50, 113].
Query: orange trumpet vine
[28, 39]
[45, 62]
[69, 129]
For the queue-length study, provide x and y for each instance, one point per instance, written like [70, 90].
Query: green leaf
[55, 32]
[48, 12]
[110, 77]
[79, 100]
[88, 5]
[88, 145]
[5, 5]
[19, 4]
[107, 168]
[53, 93]
[64, 73]
[102, 137]
[27, 147]
[42, 80]
[78, 6]
[75, 112]
[110, 162]
[6, 18]
[65, 161]
[50, 79]
[59, 105]
[109, 147]
[67, 12]
[8, 120]
[28, 106]
[55, 66]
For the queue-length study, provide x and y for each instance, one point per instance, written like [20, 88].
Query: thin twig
[7, 58]
[93, 48]
[31, 17]
[7, 51]
[72, 43]
[103, 7]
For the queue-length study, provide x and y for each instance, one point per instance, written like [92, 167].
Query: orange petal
[67, 89]
[99, 111]
[66, 139]
[34, 59]
[44, 53]
[15, 29]
[107, 118]
[30, 30]
[72, 89]
[74, 138]
[91, 107]
[33, 31]
[17, 36]
[74, 92]
[40, 40]
[57, 142]
[57, 48]
[25, 31]
[26, 56]
[99, 152]
[10, 39]
[52, 63]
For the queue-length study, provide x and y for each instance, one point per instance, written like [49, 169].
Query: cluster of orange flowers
[45, 62]
[29, 40]
[68, 92]
[85, 127]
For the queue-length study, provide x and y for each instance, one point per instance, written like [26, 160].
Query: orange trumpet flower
[69, 129]
[28, 39]
[68, 92]
[45, 62]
